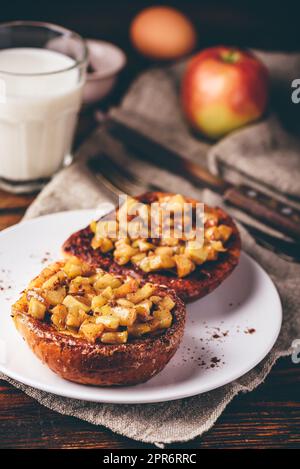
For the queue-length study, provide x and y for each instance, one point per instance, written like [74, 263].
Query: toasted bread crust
[75, 359]
[196, 285]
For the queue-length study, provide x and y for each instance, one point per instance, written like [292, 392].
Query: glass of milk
[42, 72]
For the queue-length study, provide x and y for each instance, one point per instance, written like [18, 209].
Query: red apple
[224, 88]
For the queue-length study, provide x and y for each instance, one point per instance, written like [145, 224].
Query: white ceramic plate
[227, 333]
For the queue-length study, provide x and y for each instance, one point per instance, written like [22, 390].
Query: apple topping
[179, 251]
[95, 305]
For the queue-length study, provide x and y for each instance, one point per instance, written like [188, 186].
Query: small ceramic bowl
[105, 63]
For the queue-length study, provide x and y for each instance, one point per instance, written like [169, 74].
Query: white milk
[38, 113]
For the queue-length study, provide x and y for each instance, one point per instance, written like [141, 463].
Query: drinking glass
[42, 73]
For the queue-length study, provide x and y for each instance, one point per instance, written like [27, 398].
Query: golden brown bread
[196, 285]
[99, 364]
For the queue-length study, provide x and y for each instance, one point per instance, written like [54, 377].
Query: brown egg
[162, 33]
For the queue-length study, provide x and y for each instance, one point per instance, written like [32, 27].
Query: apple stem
[231, 56]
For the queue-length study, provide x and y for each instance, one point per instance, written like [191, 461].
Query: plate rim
[133, 400]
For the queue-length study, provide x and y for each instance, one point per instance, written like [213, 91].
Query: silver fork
[119, 181]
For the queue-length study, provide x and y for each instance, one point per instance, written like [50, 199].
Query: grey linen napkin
[184, 419]
[266, 152]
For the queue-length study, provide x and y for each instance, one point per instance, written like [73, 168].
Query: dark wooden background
[269, 417]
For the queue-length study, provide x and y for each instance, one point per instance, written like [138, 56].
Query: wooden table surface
[268, 417]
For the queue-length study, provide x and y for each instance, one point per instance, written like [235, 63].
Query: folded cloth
[181, 420]
[267, 152]
[264, 153]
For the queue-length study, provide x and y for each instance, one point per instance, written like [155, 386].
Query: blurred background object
[253, 24]
[106, 61]
[261, 24]
[162, 33]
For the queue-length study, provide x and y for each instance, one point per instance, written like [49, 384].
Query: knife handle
[270, 211]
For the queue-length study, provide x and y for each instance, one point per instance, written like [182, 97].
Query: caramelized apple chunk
[36, 309]
[114, 337]
[91, 330]
[59, 315]
[74, 268]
